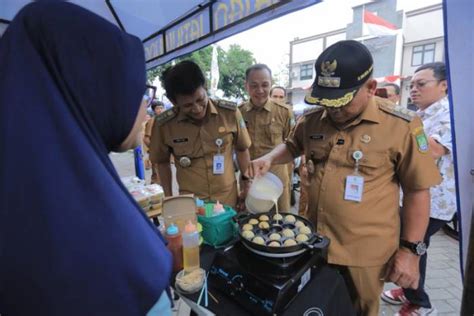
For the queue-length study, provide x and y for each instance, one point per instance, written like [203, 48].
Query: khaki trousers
[365, 284]
[155, 177]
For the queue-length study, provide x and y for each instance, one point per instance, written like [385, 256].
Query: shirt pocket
[182, 150]
[275, 133]
[370, 165]
[317, 151]
[316, 154]
[210, 147]
[227, 142]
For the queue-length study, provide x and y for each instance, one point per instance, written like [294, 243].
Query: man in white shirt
[428, 91]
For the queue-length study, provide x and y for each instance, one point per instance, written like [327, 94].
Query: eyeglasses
[149, 94]
[421, 84]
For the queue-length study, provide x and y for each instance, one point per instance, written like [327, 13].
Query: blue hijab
[72, 240]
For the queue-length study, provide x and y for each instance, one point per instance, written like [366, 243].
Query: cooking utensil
[315, 241]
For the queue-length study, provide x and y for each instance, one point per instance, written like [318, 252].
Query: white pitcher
[263, 193]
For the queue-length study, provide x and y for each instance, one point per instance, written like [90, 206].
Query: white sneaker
[409, 309]
[394, 296]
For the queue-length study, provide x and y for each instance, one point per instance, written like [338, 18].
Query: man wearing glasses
[428, 91]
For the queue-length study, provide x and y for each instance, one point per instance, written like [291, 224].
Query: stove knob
[230, 286]
[237, 283]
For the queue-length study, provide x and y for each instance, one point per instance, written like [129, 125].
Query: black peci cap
[340, 71]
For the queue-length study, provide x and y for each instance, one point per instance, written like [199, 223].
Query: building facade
[419, 40]
[423, 43]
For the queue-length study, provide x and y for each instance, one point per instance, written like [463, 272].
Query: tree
[153, 73]
[201, 57]
[232, 66]
[232, 71]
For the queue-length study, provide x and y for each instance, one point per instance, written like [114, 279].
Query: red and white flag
[376, 26]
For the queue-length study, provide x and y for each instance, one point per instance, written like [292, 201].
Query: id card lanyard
[218, 159]
[355, 182]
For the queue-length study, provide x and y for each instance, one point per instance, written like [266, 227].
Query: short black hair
[278, 87]
[257, 67]
[439, 69]
[184, 78]
[395, 86]
[156, 103]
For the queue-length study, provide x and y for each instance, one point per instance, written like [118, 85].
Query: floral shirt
[437, 124]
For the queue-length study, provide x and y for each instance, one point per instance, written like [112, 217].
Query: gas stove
[263, 285]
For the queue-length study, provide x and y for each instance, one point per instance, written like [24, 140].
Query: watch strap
[414, 246]
[407, 244]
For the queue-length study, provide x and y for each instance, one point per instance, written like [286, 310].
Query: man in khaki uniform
[278, 95]
[157, 107]
[269, 123]
[359, 149]
[202, 135]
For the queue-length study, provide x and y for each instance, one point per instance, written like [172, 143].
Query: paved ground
[443, 282]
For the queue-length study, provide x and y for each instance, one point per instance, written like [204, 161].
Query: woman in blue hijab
[72, 240]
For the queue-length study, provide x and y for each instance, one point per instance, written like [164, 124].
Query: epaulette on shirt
[165, 116]
[283, 105]
[227, 105]
[312, 109]
[399, 111]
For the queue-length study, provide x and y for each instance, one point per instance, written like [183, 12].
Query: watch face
[420, 248]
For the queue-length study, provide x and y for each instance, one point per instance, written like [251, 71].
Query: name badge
[317, 136]
[354, 188]
[218, 164]
[180, 140]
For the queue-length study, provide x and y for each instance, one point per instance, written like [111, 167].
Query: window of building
[306, 71]
[423, 54]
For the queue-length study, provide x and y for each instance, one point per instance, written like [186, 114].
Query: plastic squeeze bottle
[175, 245]
[200, 207]
[190, 247]
[218, 208]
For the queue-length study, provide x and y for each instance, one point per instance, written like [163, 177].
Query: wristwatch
[417, 247]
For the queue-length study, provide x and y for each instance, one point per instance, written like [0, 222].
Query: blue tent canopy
[170, 28]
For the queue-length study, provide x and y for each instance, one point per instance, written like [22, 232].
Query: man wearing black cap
[359, 149]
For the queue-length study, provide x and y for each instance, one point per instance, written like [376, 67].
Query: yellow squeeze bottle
[190, 247]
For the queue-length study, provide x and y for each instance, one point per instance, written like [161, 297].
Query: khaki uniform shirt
[176, 134]
[147, 132]
[394, 153]
[268, 127]
[149, 126]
